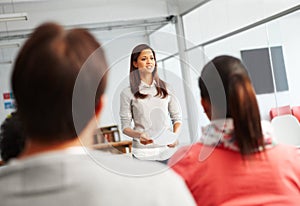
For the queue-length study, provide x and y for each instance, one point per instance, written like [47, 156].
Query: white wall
[290, 33]
[7, 55]
[5, 73]
[164, 41]
[282, 32]
[219, 17]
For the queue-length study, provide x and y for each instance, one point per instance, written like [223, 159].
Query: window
[259, 67]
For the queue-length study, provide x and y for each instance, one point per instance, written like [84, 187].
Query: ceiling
[181, 6]
[93, 14]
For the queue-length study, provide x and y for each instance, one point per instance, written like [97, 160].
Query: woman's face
[145, 62]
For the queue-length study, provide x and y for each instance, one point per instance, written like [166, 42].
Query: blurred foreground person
[237, 162]
[12, 138]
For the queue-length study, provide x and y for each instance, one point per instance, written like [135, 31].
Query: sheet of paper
[166, 137]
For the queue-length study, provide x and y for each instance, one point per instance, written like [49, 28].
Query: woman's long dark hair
[241, 100]
[135, 78]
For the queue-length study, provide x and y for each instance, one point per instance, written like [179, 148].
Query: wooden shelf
[114, 147]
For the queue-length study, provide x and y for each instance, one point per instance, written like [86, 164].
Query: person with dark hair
[12, 137]
[58, 80]
[150, 104]
[237, 161]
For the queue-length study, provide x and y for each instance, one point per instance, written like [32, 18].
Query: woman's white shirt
[150, 115]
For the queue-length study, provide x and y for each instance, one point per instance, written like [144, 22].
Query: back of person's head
[45, 75]
[12, 137]
[240, 102]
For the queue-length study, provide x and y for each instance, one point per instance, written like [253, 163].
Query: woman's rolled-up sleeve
[125, 110]
[174, 109]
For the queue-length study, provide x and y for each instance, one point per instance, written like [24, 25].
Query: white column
[185, 71]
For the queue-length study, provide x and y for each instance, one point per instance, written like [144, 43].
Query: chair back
[277, 111]
[296, 112]
[286, 129]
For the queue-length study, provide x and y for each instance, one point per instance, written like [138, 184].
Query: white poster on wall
[7, 101]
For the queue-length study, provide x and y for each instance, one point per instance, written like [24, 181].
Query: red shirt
[224, 178]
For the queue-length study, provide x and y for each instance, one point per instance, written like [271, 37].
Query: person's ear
[100, 106]
[89, 130]
[135, 64]
[207, 107]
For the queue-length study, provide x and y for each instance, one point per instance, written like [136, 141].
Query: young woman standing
[150, 105]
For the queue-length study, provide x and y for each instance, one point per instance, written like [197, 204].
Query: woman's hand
[144, 139]
[174, 144]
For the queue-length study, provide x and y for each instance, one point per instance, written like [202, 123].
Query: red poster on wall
[6, 96]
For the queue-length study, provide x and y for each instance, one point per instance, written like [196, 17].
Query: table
[114, 147]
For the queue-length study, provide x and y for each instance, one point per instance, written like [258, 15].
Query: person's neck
[35, 147]
[148, 79]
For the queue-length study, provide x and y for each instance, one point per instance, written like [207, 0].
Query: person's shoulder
[126, 92]
[172, 184]
[145, 177]
[285, 150]
[126, 89]
[126, 165]
[186, 153]
[101, 172]
[288, 156]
